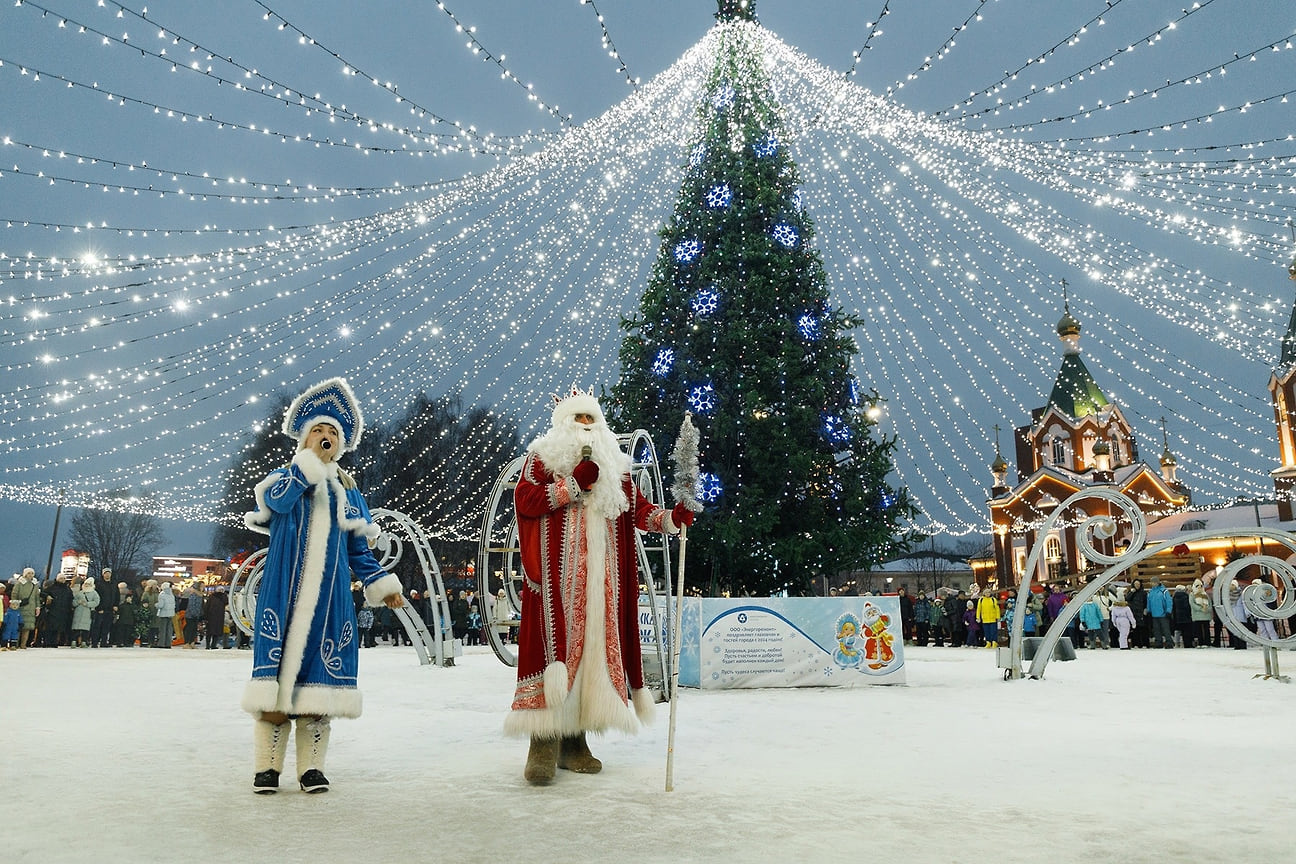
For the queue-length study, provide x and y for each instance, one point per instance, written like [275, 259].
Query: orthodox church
[1081, 439]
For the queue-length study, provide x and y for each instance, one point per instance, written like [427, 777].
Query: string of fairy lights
[141, 347]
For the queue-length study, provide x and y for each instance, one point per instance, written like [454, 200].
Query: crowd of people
[84, 612]
[73, 611]
[1120, 616]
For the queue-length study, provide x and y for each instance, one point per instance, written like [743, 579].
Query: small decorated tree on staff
[737, 327]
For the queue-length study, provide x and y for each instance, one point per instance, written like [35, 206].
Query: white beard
[560, 450]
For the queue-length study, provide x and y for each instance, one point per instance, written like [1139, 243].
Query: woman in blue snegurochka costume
[847, 654]
[305, 651]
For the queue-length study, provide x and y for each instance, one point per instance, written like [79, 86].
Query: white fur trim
[643, 705]
[312, 468]
[262, 694]
[259, 695]
[359, 524]
[317, 534]
[383, 586]
[555, 684]
[577, 403]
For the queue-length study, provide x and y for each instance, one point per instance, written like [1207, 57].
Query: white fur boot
[269, 745]
[312, 747]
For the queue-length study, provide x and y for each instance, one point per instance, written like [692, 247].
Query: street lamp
[49, 562]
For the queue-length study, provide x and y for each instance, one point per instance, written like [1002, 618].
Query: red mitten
[586, 472]
[681, 515]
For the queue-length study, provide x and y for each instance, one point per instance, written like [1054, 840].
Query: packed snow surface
[143, 755]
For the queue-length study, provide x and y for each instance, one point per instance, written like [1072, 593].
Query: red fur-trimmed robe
[565, 685]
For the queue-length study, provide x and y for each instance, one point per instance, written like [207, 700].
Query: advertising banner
[791, 642]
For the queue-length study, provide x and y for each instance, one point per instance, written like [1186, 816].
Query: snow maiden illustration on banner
[791, 642]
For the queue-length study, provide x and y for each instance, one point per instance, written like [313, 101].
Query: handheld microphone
[586, 453]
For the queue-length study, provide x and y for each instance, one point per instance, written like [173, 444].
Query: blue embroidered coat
[305, 650]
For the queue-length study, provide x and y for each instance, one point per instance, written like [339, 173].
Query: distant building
[1081, 439]
[180, 570]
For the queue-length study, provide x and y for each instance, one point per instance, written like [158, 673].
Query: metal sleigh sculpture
[1253, 598]
[399, 534]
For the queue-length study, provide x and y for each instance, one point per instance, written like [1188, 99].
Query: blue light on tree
[663, 362]
[852, 390]
[836, 429]
[705, 303]
[808, 326]
[719, 196]
[786, 234]
[797, 200]
[702, 398]
[709, 487]
[697, 155]
[723, 97]
[687, 250]
[767, 146]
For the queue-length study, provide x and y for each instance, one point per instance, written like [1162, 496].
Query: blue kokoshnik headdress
[331, 402]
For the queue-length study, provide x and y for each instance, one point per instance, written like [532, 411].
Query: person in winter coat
[305, 654]
[85, 600]
[972, 633]
[193, 607]
[1201, 613]
[459, 615]
[146, 617]
[10, 627]
[1136, 596]
[940, 627]
[1181, 616]
[123, 629]
[906, 613]
[1053, 604]
[1122, 617]
[1233, 596]
[1095, 626]
[1159, 607]
[987, 615]
[56, 623]
[1265, 626]
[25, 596]
[1104, 600]
[101, 620]
[922, 617]
[165, 611]
[214, 615]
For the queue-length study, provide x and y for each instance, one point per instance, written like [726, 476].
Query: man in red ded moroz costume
[579, 666]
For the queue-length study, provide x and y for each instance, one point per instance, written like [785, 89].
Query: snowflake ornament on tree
[719, 196]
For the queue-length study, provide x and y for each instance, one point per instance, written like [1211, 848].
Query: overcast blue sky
[927, 56]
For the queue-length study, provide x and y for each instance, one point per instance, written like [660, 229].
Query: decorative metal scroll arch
[398, 532]
[1253, 598]
[498, 552]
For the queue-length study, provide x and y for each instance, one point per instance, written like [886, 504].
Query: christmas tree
[736, 326]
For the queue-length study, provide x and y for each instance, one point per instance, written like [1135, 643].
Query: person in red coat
[579, 666]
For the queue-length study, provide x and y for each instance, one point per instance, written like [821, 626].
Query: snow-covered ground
[1121, 756]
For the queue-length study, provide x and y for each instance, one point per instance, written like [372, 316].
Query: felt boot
[312, 747]
[574, 755]
[542, 761]
[269, 744]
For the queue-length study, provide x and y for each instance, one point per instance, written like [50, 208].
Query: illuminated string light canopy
[149, 315]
